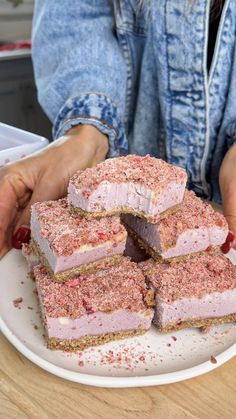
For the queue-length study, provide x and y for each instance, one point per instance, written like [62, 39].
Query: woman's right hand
[44, 176]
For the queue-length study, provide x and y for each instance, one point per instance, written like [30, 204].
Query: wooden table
[27, 391]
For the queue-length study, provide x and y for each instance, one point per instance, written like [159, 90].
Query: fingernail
[230, 237]
[22, 235]
[225, 248]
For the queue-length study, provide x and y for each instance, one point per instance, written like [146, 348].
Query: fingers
[7, 245]
[227, 180]
[229, 208]
[5, 248]
[231, 220]
[45, 190]
[8, 207]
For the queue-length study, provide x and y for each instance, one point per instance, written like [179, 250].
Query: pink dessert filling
[193, 228]
[68, 240]
[199, 288]
[110, 300]
[141, 184]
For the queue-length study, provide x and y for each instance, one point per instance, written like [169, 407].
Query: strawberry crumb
[213, 359]
[209, 273]
[17, 302]
[81, 363]
[117, 287]
[152, 172]
[205, 329]
[174, 338]
[67, 232]
[126, 358]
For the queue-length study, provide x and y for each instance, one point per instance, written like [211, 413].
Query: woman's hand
[227, 180]
[42, 177]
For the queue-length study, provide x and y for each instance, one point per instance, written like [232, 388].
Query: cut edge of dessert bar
[156, 255]
[79, 270]
[194, 293]
[144, 186]
[194, 228]
[70, 245]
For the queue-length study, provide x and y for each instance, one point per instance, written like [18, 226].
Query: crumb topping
[195, 277]
[149, 171]
[66, 232]
[26, 249]
[193, 213]
[117, 287]
[17, 302]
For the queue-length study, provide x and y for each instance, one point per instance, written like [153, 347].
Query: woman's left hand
[227, 179]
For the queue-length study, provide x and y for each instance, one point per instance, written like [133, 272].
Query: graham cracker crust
[125, 210]
[157, 256]
[80, 270]
[172, 327]
[87, 341]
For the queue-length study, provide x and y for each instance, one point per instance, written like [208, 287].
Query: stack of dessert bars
[90, 293]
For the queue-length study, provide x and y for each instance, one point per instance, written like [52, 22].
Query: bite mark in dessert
[68, 244]
[197, 292]
[95, 308]
[143, 186]
[193, 228]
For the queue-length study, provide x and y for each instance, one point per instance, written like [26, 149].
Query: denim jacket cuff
[97, 110]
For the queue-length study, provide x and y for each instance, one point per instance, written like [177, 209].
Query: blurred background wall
[18, 97]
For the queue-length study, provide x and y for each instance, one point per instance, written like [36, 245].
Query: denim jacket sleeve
[79, 68]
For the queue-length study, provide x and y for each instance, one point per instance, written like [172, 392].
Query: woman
[130, 76]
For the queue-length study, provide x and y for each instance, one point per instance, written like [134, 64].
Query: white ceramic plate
[150, 359]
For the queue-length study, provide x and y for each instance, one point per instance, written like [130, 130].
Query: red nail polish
[230, 237]
[225, 248]
[22, 235]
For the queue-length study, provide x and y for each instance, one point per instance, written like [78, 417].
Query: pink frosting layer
[217, 304]
[97, 324]
[135, 197]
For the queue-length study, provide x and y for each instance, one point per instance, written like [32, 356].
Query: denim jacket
[139, 74]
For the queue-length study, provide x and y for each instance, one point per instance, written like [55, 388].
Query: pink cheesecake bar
[200, 291]
[194, 227]
[143, 186]
[68, 244]
[95, 308]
